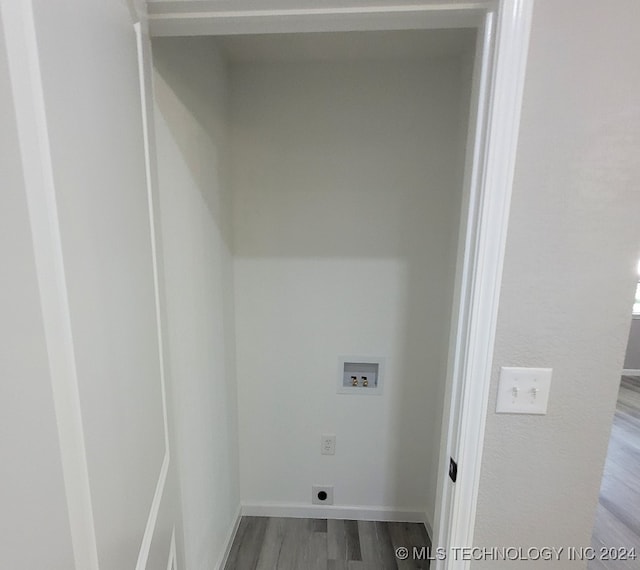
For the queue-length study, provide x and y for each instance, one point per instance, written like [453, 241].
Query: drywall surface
[632, 354]
[569, 275]
[191, 123]
[32, 494]
[345, 218]
[91, 90]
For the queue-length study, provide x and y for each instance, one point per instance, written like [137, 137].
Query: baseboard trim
[631, 372]
[428, 525]
[229, 541]
[349, 512]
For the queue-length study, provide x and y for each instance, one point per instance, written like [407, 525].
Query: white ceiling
[347, 46]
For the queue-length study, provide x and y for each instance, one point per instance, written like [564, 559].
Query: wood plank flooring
[318, 544]
[618, 516]
[264, 543]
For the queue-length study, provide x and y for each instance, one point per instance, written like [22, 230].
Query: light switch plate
[523, 390]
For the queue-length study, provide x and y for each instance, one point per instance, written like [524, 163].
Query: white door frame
[499, 73]
[493, 135]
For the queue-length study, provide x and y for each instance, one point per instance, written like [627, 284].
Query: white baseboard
[229, 540]
[631, 372]
[333, 512]
[428, 524]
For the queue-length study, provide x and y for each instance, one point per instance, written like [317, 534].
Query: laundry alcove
[310, 198]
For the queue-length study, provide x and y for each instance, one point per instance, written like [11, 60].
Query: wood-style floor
[264, 543]
[618, 518]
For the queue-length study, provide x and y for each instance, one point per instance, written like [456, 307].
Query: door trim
[208, 18]
[37, 167]
[502, 75]
[145, 72]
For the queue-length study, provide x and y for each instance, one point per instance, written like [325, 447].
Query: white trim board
[345, 512]
[250, 6]
[197, 18]
[37, 165]
[172, 562]
[428, 525]
[145, 74]
[231, 535]
[495, 165]
[462, 293]
[631, 372]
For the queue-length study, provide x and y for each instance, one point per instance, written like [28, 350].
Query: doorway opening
[343, 165]
[307, 203]
[617, 524]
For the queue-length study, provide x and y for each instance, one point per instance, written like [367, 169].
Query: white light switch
[523, 390]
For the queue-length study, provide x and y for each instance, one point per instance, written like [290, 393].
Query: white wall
[345, 213]
[80, 124]
[32, 494]
[97, 152]
[569, 274]
[191, 122]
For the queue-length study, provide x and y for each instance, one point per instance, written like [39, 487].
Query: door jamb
[501, 79]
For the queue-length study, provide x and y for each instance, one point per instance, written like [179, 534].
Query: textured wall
[569, 274]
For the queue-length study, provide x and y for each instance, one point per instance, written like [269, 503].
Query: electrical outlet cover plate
[320, 491]
[523, 390]
[328, 444]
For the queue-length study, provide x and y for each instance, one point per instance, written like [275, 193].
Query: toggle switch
[523, 390]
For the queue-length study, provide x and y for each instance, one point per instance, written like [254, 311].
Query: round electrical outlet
[322, 494]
